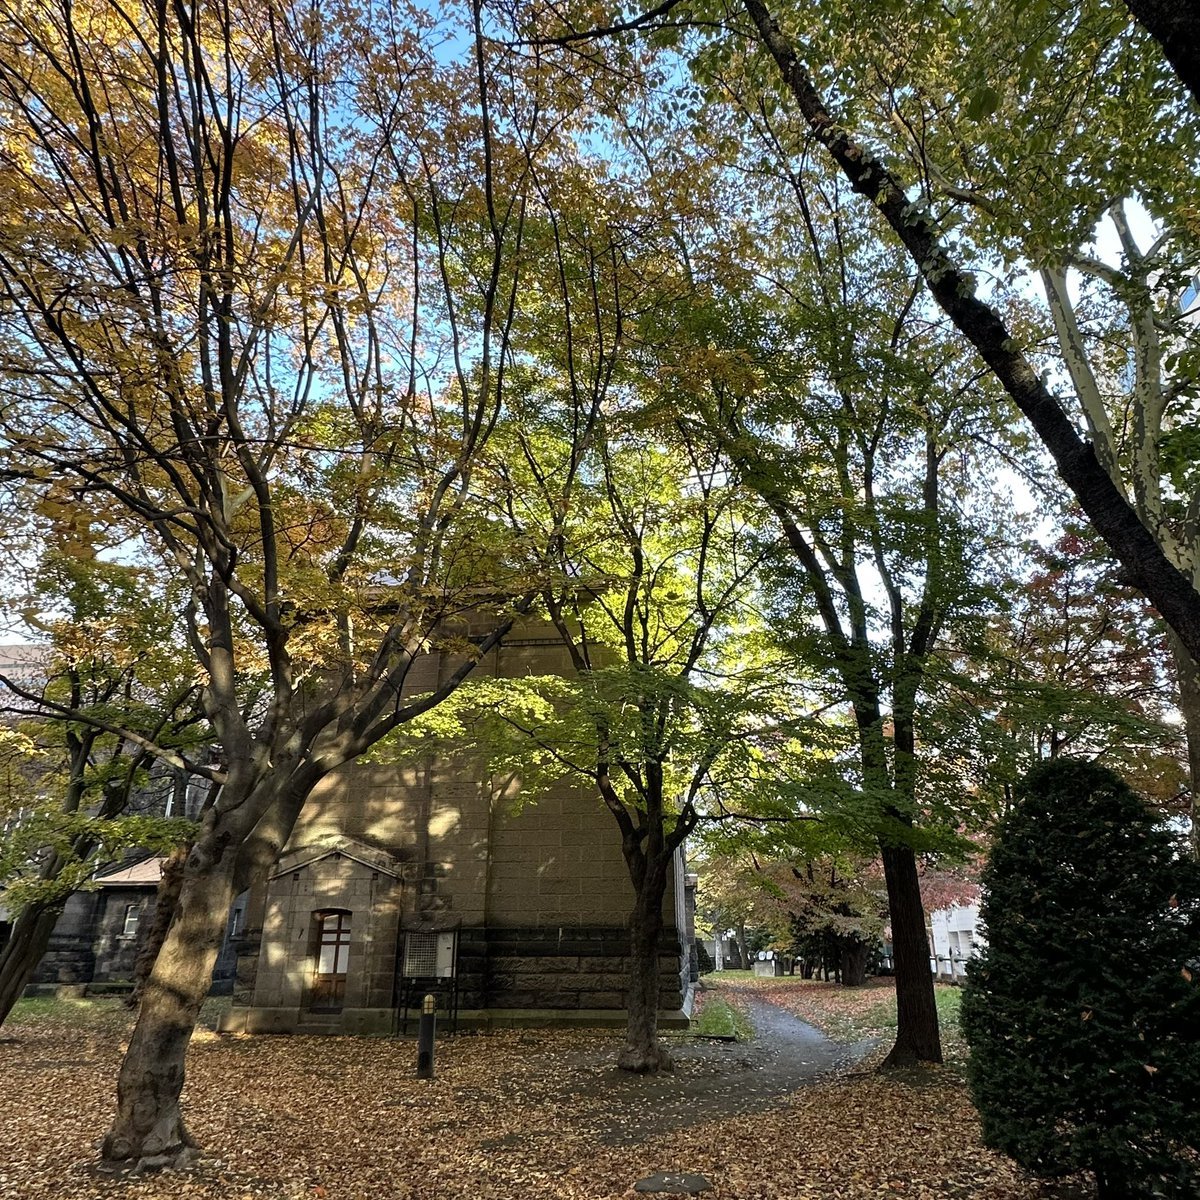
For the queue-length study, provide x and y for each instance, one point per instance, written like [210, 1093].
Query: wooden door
[332, 962]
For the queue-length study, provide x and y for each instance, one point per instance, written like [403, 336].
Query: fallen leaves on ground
[304, 1118]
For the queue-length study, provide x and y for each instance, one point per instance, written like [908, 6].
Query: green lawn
[106, 1014]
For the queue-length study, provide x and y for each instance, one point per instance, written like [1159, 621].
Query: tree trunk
[1132, 543]
[148, 1132]
[1187, 673]
[917, 1035]
[642, 1051]
[743, 953]
[166, 901]
[23, 951]
[1175, 26]
[34, 926]
[855, 955]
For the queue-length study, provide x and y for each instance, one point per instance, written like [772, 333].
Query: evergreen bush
[1083, 1011]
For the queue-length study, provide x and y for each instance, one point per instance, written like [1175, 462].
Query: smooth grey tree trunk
[743, 953]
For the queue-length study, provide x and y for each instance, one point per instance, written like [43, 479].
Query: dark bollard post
[425, 1033]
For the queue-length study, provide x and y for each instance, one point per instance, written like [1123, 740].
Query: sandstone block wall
[338, 882]
[538, 892]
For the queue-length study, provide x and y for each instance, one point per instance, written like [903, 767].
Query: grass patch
[719, 1018]
[97, 1014]
[106, 1014]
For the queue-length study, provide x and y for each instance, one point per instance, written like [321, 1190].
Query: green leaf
[983, 103]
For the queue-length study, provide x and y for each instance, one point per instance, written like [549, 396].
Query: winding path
[715, 1078]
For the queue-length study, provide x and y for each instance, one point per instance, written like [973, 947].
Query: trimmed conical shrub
[1083, 1011]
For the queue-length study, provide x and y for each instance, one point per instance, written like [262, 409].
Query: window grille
[420, 955]
[429, 955]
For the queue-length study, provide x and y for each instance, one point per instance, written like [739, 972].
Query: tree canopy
[735, 341]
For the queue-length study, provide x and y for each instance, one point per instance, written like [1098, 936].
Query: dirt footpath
[713, 1078]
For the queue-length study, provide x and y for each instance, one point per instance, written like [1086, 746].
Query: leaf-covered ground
[511, 1116]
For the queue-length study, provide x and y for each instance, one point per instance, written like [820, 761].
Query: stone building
[97, 937]
[402, 880]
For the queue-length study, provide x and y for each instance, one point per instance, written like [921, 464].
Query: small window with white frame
[133, 914]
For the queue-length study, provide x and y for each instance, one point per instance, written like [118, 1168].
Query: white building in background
[24, 664]
[1189, 300]
[955, 933]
